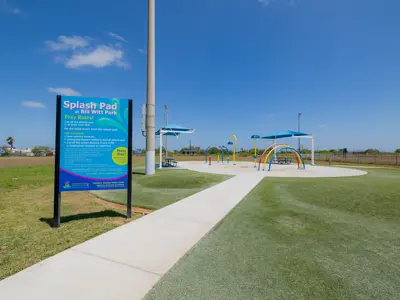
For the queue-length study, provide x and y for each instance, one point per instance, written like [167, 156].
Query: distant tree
[372, 151]
[138, 151]
[11, 141]
[158, 150]
[397, 150]
[182, 151]
[213, 151]
[39, 149]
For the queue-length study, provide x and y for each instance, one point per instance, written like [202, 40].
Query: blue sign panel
[93, 144]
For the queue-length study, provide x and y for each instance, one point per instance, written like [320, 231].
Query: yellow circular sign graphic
[120, 156]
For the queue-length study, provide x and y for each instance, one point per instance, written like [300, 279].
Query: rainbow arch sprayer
[233, 141]
[271, 152]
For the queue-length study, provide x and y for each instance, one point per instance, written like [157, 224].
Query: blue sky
[222, 66]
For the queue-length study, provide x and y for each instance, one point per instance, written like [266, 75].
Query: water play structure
[287, 134]
[255, 137]
[233, 141]
[222, 149]
[273, 150]
[206, 153]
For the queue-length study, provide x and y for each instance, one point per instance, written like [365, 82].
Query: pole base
[150, 162]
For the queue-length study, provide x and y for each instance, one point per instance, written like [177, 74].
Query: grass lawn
[335, 238]
[26, 209]
[164, 188]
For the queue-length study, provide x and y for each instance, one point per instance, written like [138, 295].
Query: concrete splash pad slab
[276, 170]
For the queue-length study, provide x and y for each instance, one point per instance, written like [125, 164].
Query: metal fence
[376, 159]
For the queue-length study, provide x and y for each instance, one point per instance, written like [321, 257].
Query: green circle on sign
[120, 156]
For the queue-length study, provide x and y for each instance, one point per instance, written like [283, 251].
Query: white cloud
[77, 51]
[16, 11]
[67, 43]
[322, 125]
[118, 37]
[264, 2]
[33, 104]
[100, 57]
[64, 91]
[5, 7]
[142, 51]
[268, 2]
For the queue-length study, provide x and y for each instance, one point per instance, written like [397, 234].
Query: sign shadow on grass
[139, 173]
[85, 216]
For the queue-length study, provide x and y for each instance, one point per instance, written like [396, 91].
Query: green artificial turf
[308, 239]
[164, 188]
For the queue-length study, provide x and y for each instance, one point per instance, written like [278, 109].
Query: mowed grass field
[308, 239]
[26, 209]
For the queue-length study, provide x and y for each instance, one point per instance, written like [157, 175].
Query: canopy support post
[161, 137]
[312, 151]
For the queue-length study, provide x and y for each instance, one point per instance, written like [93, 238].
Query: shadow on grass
[139, 173]
[93, 215]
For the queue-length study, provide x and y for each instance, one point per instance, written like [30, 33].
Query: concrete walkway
[291, 170]
[126, 262]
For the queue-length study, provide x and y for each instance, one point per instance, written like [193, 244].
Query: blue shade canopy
[284, 134]
[175, 130]
[254, 136]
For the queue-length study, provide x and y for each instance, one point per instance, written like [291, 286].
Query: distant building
[21, 152]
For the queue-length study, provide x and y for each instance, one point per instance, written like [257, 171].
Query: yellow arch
[233, 139]
[299, 159]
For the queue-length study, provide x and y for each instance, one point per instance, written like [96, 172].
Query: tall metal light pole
[298, 126]
[150, 103]
[166, 137]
